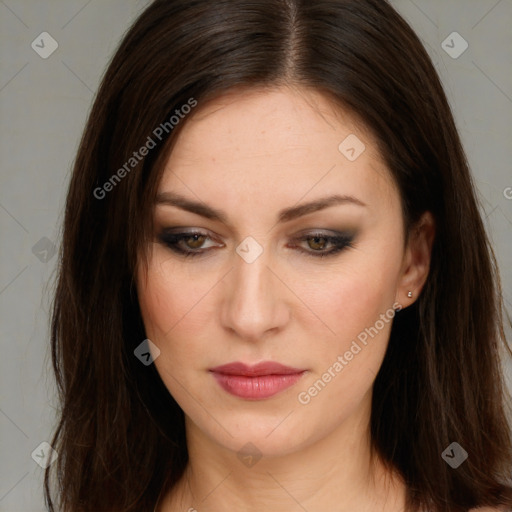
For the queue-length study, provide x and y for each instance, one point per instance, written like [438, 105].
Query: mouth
[257, 382]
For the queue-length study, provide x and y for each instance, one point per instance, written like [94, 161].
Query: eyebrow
[285, 215]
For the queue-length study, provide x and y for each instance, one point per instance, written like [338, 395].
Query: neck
[336, 472]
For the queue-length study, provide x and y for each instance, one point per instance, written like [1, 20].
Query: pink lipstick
[257, 382]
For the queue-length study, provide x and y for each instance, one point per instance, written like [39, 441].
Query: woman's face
[264, 282]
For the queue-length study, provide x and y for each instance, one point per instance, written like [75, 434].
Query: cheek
[178, 314]
[158, 305]
[168, 298]
[358, 308]
[355, 301]
[164, 304]
[352, 298]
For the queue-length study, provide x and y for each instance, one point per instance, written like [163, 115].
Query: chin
[272, 435]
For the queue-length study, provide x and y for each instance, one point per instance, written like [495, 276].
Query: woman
[276, 291]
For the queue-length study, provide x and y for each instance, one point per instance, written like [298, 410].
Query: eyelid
[306, 233]
[324, 232]
[339, 241]
[183, 232]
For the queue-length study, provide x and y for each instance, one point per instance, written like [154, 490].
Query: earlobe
[417, 260]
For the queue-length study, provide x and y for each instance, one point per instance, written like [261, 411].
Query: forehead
[281, 143]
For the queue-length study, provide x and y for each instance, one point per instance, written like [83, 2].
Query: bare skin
[252, 155]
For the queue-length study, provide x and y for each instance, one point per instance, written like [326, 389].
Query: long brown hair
[120, 435]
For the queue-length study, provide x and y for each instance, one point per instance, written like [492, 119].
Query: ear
[416, 260]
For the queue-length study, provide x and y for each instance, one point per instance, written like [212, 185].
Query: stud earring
[409, 294]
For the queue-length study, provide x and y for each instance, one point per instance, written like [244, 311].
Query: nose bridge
[253, 305]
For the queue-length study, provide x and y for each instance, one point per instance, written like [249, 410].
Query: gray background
[43, 106]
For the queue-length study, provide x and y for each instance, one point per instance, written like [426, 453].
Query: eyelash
[340, 243]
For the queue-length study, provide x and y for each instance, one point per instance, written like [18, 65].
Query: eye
[318, 242]
[192, 243]
[187, 244]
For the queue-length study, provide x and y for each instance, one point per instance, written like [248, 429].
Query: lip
[256, 382]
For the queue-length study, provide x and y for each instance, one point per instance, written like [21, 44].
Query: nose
[255, 299]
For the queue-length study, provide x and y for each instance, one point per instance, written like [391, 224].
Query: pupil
[316, 239]
[196, 239]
